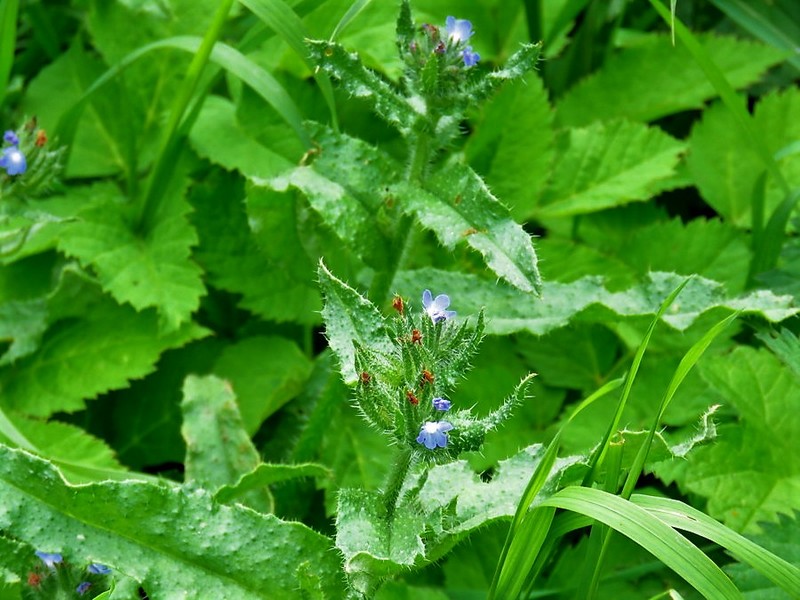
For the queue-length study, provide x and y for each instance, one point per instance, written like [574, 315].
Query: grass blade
[663, 542]
[681, 516]
[8, 41]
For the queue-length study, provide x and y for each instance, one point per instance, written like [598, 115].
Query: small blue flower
[83, 588]
[437, 308]
[98, 569]
[470, 58]
[433, 434]
[458, 30]
[11, 138]
[441, 404]
[50, 559]
[13, 161]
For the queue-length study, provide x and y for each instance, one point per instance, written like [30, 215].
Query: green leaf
[362, 83]
[629, 87]
[753, 472]
[509, 311]
[97, 148]
[219, 137]
[265, 372]
[256, 253]
[267, 474]
[218, 450]
[83, 357]
[374, 548]
[512, 144]
[786, 346]
[152, 270]
[457, 206]
[22, 323]
[606, 165]
[678, 515]
[350, 319]
[662, 541]
[81, 456]
[343, 185]
[171, 540]
[17, 558]
[726, 167]
[780, 538]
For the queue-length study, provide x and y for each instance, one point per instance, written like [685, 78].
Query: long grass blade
[727, 94]
[351, 13]
[8, 41]
[678, 515]
[661, 540]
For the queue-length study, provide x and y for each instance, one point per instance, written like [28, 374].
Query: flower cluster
[59, 578]
[12, 158]
[458, 31]
[450, 43]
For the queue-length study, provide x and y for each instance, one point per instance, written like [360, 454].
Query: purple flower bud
[83, 588]
[11, 138]
[470, 58]
[98, 569]
[442, 404]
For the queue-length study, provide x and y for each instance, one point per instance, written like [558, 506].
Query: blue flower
[50, 559]
[13, 161]
[470, 58]
[433, 434]
[98, 569]
[436, 308]
[11, 138]
[441, 404]
[458, 30]
[83, 588]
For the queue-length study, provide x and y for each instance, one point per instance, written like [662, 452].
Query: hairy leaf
[508, 310]
[170, 539]
[22, 323]
[457, 206]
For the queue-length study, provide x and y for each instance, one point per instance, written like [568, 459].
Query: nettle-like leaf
[343, 186]
[265, 372]
[350, 319]
[512, 144]
[257, 252]
[218, 449]
[145, 269]
[786, 346]
[170, 539]
[628, 86]
[80, 358]
[452, 502]
[458, 207]
[606, 165]
[23, 323]
[509, 311]
[81, 456]
[267, 474]
[781, 538]
[218, 136]
[753, 472]
[726, 168]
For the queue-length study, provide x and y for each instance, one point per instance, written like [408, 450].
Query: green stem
[164, 163]
[396, 479]
[419, 157]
